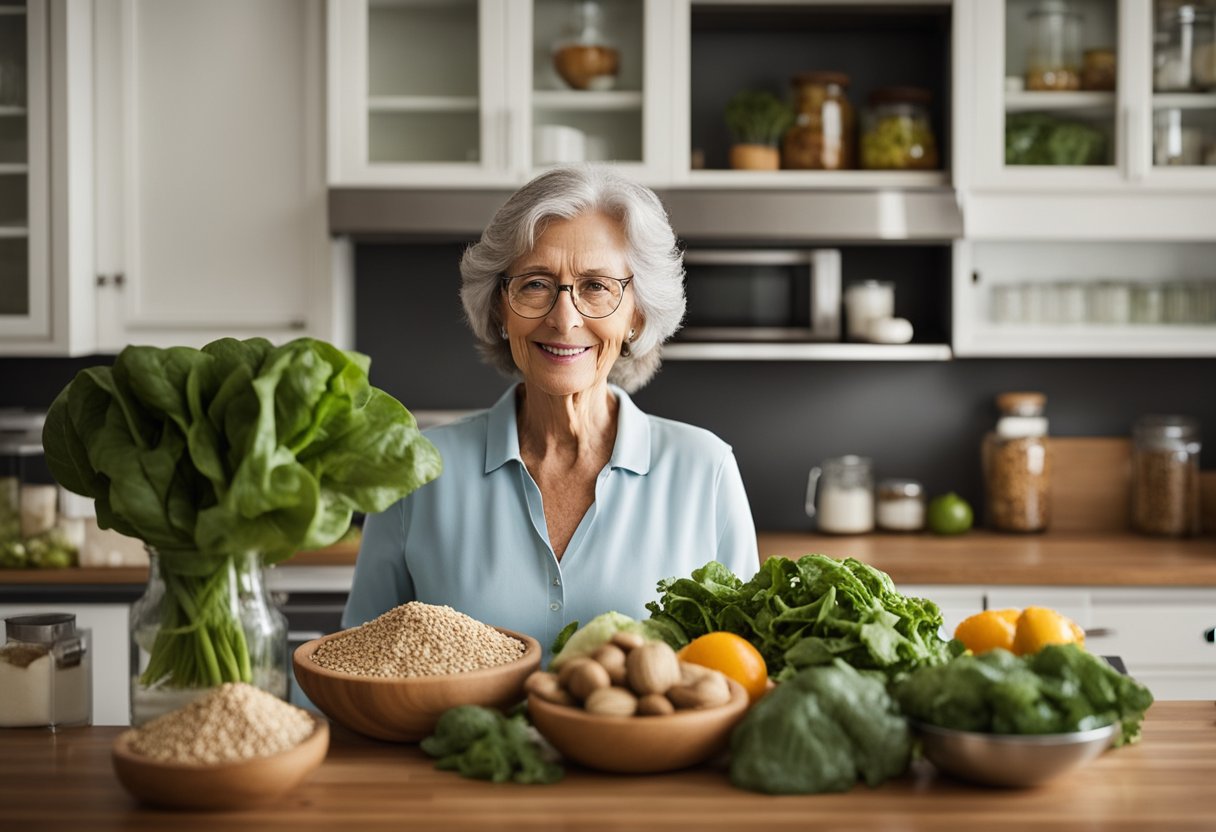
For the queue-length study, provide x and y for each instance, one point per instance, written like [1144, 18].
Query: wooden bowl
[221, 786]
[406, 708]
[639, 744]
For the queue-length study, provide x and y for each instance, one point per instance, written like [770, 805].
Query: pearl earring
[502, 330]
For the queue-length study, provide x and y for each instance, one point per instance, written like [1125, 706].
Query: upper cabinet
[487, 92]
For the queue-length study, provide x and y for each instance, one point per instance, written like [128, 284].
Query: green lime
[949, 514]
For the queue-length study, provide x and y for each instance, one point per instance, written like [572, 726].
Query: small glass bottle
[584, 58]
[823, 132]
[1017, 465]
[901, 506]
[1053, 56]
[46, 672]
[846, 497]
[1165, 476]
[896, 131]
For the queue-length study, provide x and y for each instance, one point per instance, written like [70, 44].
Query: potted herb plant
[757, 120]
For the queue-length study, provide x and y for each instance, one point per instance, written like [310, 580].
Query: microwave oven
[762, 295]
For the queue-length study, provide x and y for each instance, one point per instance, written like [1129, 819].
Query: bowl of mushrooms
[633, 707]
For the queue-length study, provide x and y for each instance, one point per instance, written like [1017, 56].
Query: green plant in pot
[757, 120]
[224, 460]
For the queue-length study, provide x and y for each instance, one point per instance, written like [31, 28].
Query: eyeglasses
[535, 295]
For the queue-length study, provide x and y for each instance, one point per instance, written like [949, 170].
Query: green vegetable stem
[240, 447]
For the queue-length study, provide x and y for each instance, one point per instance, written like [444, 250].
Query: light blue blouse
[669, 500]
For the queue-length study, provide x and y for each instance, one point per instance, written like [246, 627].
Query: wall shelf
[845, 180]
[750, 351]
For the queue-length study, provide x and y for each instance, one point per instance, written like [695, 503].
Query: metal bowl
[1011, 759]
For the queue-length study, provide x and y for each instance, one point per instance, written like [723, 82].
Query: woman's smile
[562, 353]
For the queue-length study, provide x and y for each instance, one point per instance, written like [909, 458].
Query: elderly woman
[563, 500]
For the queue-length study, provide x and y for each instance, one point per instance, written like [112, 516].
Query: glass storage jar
[1053, 52]
[1099, 70]
[896, 131]
[46, 672]
[866, 302]
[583, 57]
[1174, 142]
[900, 506]
[1165, 476]
[1174, 48]
[823, 132]
[1017, 465]
[846, 495]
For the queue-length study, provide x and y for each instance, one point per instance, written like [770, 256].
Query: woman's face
[563, 353]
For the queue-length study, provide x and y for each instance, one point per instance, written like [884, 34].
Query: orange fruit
[732, 655]
[1039, 626]
[987, 630]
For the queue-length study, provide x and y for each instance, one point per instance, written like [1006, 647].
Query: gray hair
[656, 262]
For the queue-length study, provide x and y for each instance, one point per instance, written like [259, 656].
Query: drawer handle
[1099, 632]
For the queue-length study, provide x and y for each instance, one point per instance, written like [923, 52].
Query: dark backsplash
[916, 419]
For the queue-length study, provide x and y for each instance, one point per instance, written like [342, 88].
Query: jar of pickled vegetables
[824, 130]
[897, 134]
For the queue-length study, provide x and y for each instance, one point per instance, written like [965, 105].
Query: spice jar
[824, 131]
[46, 673]
[846, 499]
[1099, 70]
[1053, 52]
[584, 58]
[901, 506]
[1165, 476]
[1017, 465]
[896, 133]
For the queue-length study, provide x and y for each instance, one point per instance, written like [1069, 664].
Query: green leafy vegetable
[482, 744]
[1060, 689]
[240, 447]
[807, 612]
[820, 731]
[1041, 139]
[758, 117]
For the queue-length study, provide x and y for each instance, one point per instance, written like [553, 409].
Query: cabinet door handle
[1099, 632]
[1210, 635]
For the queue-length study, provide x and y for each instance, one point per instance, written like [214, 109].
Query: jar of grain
[46, 678]
[1165, 476]
[1017, 465]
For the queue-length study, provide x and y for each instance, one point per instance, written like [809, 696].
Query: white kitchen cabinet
[211, 200]
[46, 169]
[450, 94]
[111, 653]
[1084, 298]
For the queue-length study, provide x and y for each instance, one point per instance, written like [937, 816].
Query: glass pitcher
[845, 487]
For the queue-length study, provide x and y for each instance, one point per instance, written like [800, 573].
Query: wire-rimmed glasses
[535, 295]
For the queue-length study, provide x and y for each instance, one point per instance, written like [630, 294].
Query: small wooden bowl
[639, 744]
[222, 786]
[406, 708]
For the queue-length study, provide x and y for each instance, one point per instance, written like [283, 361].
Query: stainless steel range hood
[696, 213]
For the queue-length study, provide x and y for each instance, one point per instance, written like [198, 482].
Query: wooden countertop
[65, 781]
[977, 558]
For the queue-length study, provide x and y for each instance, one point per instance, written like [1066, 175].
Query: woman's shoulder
[465, 434]
[673, 437]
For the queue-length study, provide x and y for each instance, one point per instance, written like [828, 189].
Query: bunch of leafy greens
[758, 117]
[485, 745]
[807, 612]
[820, 731]
[1041, 139]
[240, 447]
[1060, 689]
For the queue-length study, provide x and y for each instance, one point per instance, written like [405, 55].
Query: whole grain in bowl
[230, 723]
[417, 639]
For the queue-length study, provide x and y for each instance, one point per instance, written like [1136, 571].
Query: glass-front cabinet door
[24, 179]
[418, 93]
[1182, 87]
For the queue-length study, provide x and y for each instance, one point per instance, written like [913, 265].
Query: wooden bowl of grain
[405, 708]
[228, 785]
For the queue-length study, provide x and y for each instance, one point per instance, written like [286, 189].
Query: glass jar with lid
[1017, 465]
[583, 57]
[900, 506]
[824, 128]
[1099, 70]
[1174, 47]
[845, 489]
[1053, 52]
[46, 674]
[896, 131]
[1165, 476]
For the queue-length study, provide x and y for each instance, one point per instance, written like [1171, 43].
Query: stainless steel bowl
[1011, 759]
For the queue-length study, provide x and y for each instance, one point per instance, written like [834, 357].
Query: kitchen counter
[64, 781]
[977, 558]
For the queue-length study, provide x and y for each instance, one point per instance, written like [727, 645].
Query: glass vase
[201, 623]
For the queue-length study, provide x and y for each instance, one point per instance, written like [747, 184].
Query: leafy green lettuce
[240, 447]
[820, 731]
[806, 613]
[482, 744]
[1060, 689]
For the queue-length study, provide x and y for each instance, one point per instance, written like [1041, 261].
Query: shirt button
[555, 606]
[557, 581]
